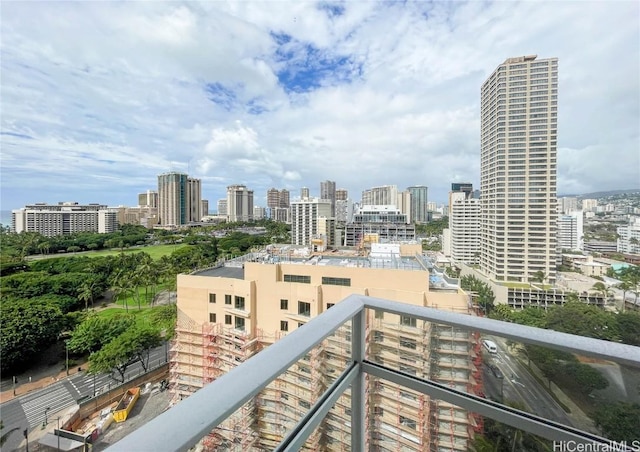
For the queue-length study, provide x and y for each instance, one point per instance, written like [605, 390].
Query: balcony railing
[184, 425]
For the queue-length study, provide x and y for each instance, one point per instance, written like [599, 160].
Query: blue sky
[98, 98]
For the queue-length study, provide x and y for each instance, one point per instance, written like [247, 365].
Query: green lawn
[155, 251]
[145, 299]
[114, 312]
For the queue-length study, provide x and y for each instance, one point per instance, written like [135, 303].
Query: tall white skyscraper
[304, 219]
[519, 124]
[464, 227]
[571, 231]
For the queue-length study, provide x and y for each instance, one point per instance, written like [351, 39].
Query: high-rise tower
[519, 124]
[172, 198]
[328, 191]
[239, 203]
[194, 200]
[419, 203]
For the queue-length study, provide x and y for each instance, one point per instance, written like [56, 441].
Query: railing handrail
[622, 353]
[193, 418]
[200, 413]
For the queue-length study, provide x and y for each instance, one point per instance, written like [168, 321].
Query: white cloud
[108, 90]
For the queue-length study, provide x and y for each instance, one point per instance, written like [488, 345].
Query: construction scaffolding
[398, 418]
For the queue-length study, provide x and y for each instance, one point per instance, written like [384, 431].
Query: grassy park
[155, 251]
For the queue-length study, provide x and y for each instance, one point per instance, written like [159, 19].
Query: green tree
[26, 328]
[133, 345]
[583, 320]
[95, 332]
[625, 286]
[619, 421]
[602, 289]
[628, 325]
[539, 277]
[572, 297]
[584, 378]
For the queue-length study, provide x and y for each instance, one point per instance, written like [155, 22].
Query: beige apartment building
[519, 126]
[226, 315]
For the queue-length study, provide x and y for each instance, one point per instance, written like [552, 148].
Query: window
[240, 323]
[407, 422]
[379, 314]
[330, 305]
[239, 303]
[227, 299]
[298, 279]
[304, 404]
[378, 411]
[284, 325]
[284, 304]
[304, 309]
[407, 395]
[300, 324]
[407, 342]
[212, 298]
[378, 336]
[227, 319]
[408, 321]
[212, 317]
[336, 281]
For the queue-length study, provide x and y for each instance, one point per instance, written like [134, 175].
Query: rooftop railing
[184, 425]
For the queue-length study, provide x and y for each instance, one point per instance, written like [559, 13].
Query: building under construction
[228, 314]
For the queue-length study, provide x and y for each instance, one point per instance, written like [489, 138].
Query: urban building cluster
[509, 236]
[512, 233]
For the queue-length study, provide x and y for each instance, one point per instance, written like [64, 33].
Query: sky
[98, 98]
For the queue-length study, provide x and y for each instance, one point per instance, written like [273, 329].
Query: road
[519, 385]
[29, 409]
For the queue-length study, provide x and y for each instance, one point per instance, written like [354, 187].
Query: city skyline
[364, 94]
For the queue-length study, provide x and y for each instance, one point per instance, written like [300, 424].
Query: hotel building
[64, 218]
[239, 203]
[519, 124]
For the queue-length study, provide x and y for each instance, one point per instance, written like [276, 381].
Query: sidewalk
[45, 379]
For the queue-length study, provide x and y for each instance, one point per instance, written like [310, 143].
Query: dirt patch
[590, 360]
[165, 297]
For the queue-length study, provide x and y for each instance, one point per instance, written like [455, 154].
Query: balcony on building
[372, 374]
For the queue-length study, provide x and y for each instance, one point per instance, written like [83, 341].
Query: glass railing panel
[237, 433]
[398, 417]
[335, 429]
[592, 394]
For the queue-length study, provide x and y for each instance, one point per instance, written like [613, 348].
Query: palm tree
[539, 276]
[121, 285]
[602, 289]
[625, 286]
[86, 294]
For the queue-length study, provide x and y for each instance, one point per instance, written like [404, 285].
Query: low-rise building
[64, 218]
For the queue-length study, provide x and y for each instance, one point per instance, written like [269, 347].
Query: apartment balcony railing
[184, 425]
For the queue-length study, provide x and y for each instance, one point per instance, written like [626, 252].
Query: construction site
[225, 316]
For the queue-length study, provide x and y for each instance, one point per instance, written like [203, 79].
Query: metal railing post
[358, 416]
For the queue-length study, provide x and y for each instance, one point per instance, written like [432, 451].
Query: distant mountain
[603, 194]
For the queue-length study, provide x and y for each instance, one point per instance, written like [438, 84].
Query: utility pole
[66, 345]
[14, 380]
[26, 437]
